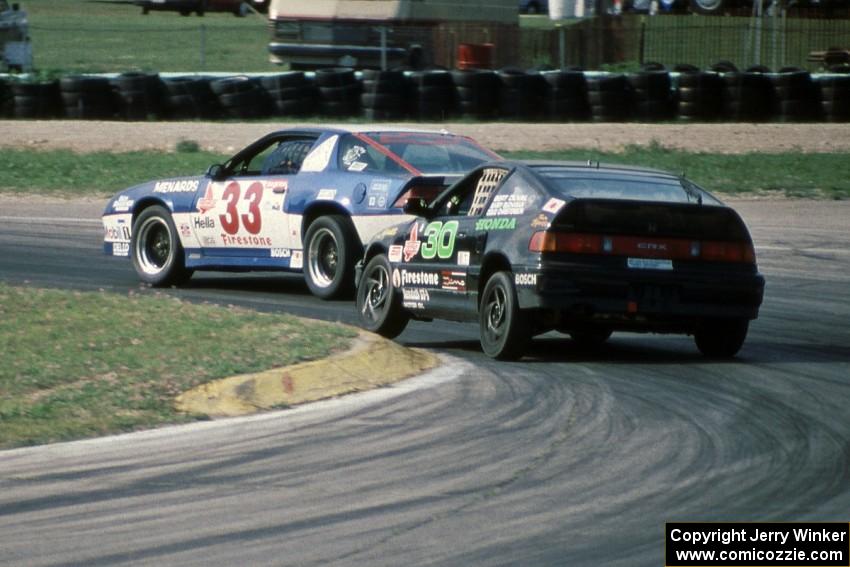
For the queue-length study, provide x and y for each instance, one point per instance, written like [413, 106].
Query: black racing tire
[378, 302]
[281, 81]
[155, 249]
[335, 77]
[505, 329]
[721, 338]
[331, 248]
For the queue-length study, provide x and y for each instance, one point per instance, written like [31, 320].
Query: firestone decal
[430, 279]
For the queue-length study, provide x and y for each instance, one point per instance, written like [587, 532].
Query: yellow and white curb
[370, 363]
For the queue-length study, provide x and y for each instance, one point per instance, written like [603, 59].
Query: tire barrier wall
[690, 94]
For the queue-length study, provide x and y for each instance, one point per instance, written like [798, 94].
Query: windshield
[604, 185]
[414, 152]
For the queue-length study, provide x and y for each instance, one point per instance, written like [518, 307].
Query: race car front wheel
[331, 248]
[378, 302]
[505, 329]
[156, 250]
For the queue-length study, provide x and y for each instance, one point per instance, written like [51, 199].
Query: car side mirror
[417, 206]
[216, 172]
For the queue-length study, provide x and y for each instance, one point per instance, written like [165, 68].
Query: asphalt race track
[566, 458]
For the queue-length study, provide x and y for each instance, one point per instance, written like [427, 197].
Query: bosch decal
[525, 279]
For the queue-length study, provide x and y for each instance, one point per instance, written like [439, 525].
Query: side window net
[287, 158]
[490, 179]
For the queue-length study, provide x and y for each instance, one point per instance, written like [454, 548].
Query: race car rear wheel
[378, 302]
[156, 250]
[331, 247]
[505, 329]
[721, 338]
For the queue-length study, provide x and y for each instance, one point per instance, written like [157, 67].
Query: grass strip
[84, 364]
[799, 175]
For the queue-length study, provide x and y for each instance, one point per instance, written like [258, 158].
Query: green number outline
[440, 240]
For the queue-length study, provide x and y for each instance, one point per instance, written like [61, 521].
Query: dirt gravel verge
[86, 136]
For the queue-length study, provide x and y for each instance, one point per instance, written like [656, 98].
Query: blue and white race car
[295, 200]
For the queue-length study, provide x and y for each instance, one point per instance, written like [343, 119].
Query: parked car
[200, 7]
[295, 200]
[533, 6]
[524, 248]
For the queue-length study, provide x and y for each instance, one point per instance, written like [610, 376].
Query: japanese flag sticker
[553, 205]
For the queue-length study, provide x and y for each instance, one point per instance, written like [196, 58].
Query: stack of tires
[6, 101]
[339, 92]
[431, 95]
[747, 96]
[795, 97]
[290, 94]
[384, 95]
[189, 98]
[139, 95]
[566, 96]
[652, 95]
[240, 97]
[521, 95]
[86, 98]
[477, 93]
[609, 97]
[699, 94]
[37, 100]
[834, 91]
